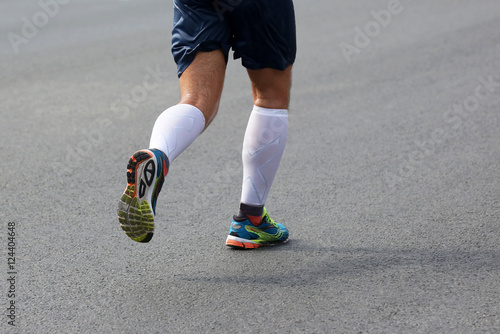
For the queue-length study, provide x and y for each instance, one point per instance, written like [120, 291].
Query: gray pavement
[389, 183]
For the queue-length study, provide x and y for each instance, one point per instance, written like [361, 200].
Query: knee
[272, 102]
[271, 88]
[273, 98]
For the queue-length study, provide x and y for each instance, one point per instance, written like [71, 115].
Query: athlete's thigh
[202, 82]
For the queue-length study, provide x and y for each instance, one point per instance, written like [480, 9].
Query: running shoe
[243, 234]
[146, 171]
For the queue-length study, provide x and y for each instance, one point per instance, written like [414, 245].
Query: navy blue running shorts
[260, 32]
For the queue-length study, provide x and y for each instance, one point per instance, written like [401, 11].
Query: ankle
[252, 212]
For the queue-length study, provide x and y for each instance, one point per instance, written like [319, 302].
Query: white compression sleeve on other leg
[176, 128]
[263, 146]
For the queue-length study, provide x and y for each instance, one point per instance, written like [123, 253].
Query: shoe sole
[240, 243]
[136, 217]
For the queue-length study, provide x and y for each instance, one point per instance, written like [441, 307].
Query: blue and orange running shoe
[243, 234]
[146, 171]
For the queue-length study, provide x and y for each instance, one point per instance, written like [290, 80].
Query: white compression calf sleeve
[263, 147]
[176, 128]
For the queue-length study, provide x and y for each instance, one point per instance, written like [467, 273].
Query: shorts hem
[206, 46]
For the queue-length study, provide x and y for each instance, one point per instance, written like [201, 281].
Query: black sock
[252, 212]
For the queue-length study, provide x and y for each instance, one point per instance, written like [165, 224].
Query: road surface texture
[389, 183]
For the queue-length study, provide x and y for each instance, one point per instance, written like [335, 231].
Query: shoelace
[268, 219]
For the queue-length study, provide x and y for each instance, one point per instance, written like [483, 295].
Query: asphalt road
[389, 183]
